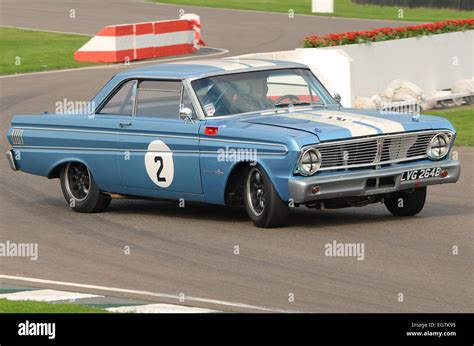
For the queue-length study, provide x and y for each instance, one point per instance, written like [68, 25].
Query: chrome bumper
[367, 182]
[11, 160]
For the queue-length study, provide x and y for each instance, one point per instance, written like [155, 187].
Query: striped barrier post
[137, 41]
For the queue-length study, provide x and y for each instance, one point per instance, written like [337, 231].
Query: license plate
[421, 174]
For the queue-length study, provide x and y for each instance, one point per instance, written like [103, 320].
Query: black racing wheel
[263, 204]
[406, 203]
[80, 190]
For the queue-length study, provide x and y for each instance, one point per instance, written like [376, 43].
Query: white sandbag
[364, 103]
[462, 86]
[404, 91]
[384, 96]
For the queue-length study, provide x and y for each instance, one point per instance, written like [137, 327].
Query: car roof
[198, 68]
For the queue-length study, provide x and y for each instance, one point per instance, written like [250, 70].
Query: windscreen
[259, 90]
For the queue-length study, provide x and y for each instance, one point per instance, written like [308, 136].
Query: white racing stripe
[355, 129]
[143, 293]
[230, 64]
[252, 62]
[227, 66]
[46, 295]
[160, 309]
[384, 125]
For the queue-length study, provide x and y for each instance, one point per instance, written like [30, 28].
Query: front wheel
[406, 203]
[80, 190]
[264, 207]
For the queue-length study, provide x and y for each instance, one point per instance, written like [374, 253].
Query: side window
[122, 101]
[161, 99]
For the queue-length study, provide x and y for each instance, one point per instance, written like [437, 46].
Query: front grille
[375, 151]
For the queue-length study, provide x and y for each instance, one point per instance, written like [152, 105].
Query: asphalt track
[191, 250]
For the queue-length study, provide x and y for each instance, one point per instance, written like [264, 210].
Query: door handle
[125, 123]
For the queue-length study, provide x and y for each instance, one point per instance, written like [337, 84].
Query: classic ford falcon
[263, 134]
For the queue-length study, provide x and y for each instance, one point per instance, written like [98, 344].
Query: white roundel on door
[159, 163]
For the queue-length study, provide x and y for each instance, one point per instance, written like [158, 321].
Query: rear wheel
[264, 207]
[406, 203]
[80, 190]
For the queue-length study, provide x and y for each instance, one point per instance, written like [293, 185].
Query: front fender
[216, 174]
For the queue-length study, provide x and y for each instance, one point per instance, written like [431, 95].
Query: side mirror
[337, 97]
[186, 114]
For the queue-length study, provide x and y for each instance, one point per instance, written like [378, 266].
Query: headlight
[309, 162]
[438, 146]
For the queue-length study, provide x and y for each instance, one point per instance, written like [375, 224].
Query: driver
[256, 97]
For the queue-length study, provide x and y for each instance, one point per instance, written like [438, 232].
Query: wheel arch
[234, 183]
[55, 169]
[236, 175]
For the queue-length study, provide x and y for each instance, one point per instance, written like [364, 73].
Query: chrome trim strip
[156, 135]
[285, 148]
[104, 132]
[38, 147]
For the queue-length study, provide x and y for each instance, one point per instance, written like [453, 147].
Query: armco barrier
[137, 41]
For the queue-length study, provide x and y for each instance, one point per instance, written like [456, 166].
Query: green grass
[38, 51]
[463, 120]
[26, 306]
[342, 8]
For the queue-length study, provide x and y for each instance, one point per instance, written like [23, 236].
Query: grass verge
[31, 51]
[463, 120]
[342, 8]
[27, 306]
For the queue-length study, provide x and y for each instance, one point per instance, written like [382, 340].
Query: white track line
[143, 293]
[46, 295]
[52, 31]
[160, 309]
[221, 51]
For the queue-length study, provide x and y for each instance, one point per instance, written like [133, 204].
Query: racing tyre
[406, 203]
[80, 190]
[264, 207]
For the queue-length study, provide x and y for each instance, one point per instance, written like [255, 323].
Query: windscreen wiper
[295, 103]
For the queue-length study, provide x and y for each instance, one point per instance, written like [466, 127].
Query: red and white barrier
[127, 42]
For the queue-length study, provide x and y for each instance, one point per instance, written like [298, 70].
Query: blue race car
[264, 134]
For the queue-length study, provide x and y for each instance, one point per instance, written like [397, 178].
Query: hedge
[385, 34]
